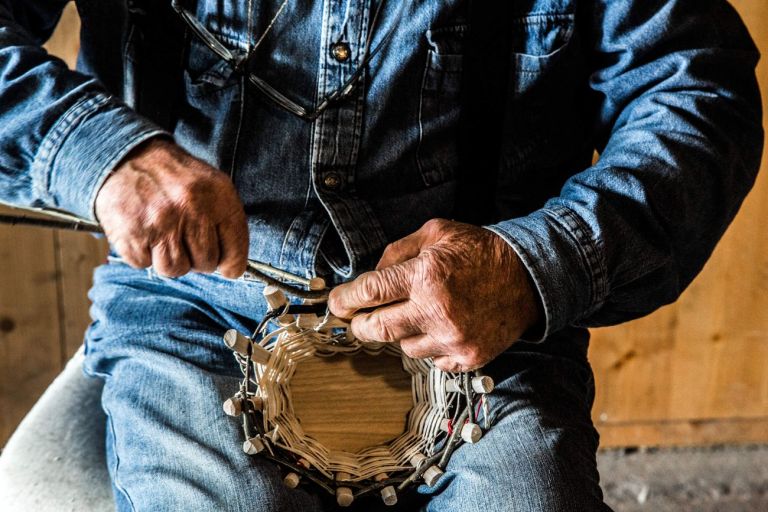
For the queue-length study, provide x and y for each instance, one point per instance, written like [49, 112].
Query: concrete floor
[722, 479]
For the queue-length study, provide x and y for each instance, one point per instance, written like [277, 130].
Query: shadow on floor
[722, 479]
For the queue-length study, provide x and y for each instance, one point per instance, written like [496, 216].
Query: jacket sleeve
[62, 131]
[680, 119]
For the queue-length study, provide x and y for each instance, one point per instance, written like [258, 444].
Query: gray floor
[722, 479]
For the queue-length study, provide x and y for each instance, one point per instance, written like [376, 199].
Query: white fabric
[55, 461]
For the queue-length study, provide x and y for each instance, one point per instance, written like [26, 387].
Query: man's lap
[157, 344]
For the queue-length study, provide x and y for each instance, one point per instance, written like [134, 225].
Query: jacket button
[340, 51]
[332, 181]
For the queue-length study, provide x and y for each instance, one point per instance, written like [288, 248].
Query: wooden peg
[317, 283]
[417, 458]
[233, 406]
[259, 354]
[307, 321]
[431, 475]
[471, 433]
[482, 384]
[275, 297]
[237, 342]
[388, 493]
[344, 496]
[291, 480]
[253, 446]
[257, 402]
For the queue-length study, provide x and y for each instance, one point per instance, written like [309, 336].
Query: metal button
[340, 51]
[332, 181]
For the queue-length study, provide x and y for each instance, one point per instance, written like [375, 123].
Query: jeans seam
[116, 457]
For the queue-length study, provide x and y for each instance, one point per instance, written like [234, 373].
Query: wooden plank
[65, 41]
[351, 403]
[685, 432]
[30, 350]
[705, 358]
[77, 255]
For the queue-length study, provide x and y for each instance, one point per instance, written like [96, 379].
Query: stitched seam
[420, 166]
[55, 138]
[115, 478]
[542, 18]
[241, 115]
[589, 252]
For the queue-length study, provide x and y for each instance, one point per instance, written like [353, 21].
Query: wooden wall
[692, 373]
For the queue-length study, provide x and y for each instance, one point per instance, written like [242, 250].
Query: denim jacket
[483, 111]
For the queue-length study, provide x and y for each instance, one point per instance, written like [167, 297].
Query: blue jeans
[157, 344]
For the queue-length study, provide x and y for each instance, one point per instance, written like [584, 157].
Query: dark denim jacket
[489, 113]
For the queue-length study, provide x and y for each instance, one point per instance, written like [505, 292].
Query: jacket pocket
[210, 120]
[538, 44]
[205, 72]
[440, 106]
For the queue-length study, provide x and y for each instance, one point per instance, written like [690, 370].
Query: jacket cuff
[84, 147]
[562, 257]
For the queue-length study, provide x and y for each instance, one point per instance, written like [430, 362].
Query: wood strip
[30, 350]
[78, 254]
[685, 433]
[65, 41]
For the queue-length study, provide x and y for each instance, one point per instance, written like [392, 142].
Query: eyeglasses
[241, 62]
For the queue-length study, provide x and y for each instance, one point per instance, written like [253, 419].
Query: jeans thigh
[540, 451]
[166, 373]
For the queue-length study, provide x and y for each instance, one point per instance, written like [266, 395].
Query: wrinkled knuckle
[380, 330]
[459, 337]
[371, 288]
[177, 270]
[158, 215]
[390, 249]
[410, 350]
[334, 302]
[437, 225]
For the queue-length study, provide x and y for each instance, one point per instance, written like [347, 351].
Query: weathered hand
[165, 208]
[454, 292]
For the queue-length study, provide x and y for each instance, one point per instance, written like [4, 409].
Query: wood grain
[351, 403]
[30, 327]
[77, 254]
[691, 432]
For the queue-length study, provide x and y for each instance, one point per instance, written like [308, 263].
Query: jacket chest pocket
[538, 45]
[439, 105]
[546, 85]
[209, 122]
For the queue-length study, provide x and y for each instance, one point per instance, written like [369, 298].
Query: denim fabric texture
[156, 342]
[664, 90]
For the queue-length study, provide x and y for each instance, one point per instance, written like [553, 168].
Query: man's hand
[164, 208]
[454, 292]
